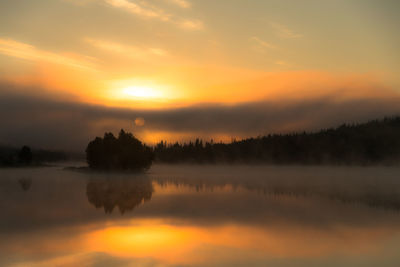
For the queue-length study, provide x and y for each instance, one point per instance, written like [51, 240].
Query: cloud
[146, 10]
[261, 45]
[191, 24]
[85, 259]
[283, 63]
[80, 2]
[26, 51]
[140, 10]
[262, 42]
[41, 122]
[181, 3]
[126, 50]
[284, 32]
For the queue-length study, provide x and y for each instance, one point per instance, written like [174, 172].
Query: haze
[180, 69]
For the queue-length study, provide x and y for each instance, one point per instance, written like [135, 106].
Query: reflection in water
[124, 193]
[365, 195]
[373, 190]
[202, 216]
[25, 183]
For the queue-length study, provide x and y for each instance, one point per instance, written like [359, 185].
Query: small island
[123, 153]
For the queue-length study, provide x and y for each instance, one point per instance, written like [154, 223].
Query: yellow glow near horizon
[143, 92]
[140, 93]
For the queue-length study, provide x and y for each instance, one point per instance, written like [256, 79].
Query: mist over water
[201, 215]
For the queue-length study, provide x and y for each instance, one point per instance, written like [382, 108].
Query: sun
[142, 92]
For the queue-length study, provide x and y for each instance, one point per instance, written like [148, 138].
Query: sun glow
[142, 92]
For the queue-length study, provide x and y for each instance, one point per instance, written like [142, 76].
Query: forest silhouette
[374, 142]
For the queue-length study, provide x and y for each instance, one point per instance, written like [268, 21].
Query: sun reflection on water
[164, 219]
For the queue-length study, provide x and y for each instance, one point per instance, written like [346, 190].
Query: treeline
[374, 142]
[124, 152]
[25, 156]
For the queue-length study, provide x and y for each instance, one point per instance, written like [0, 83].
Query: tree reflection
[351, 191]
[25, 183]
[124, 193]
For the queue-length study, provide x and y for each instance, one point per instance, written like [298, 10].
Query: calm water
[201, 216]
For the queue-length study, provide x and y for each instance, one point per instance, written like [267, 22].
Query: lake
[201, 215]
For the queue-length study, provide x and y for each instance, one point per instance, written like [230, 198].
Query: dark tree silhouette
[123, 153]
[25, 155]
[374, 142]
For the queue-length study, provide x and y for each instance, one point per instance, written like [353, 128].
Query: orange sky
[163, 54]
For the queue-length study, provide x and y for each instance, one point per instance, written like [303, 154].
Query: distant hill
[374, 142]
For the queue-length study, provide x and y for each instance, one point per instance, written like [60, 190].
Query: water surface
[201, 216]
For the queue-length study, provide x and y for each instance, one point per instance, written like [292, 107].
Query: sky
[180, 69]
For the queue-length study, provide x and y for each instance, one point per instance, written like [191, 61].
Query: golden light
[142, 92]
[139, 122]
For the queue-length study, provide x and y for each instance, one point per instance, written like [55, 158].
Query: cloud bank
[50, 123]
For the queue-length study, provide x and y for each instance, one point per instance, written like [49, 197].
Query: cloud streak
[195, 25]
[284, 32]
[181, 3]
[26, 51]
[261, 45]
[140, 10]
[126, 50]
[143, 9]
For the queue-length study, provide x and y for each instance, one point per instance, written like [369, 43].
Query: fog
[267, 211]
[229, 190]
[54, 123]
